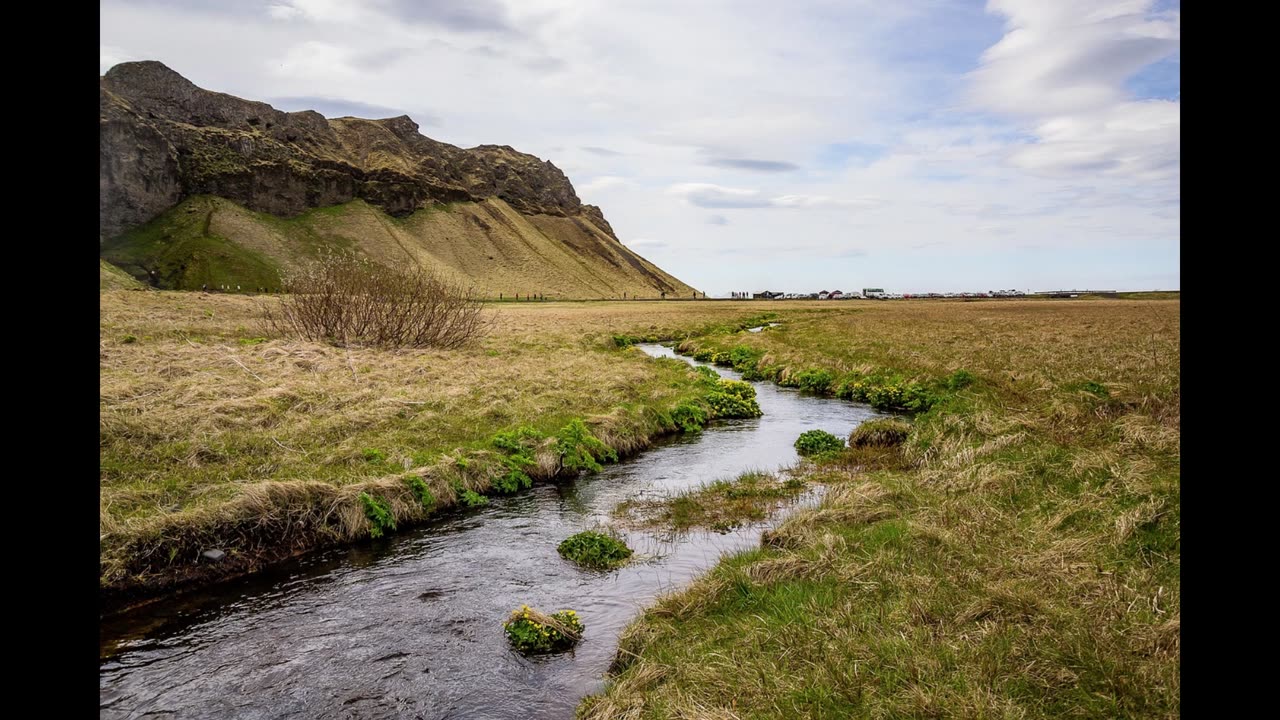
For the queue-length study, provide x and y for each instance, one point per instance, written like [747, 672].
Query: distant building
[835, 295]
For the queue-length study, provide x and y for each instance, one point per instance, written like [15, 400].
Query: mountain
[203, 188]
[111, 277]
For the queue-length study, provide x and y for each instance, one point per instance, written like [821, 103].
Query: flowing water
[411, 626]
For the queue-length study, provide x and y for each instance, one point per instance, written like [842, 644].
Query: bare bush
[345, 300]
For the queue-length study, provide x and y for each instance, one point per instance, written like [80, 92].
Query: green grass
[814, 443]
[111, 277]
[177, 251]
[595, 550]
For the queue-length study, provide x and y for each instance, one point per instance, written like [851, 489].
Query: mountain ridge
[164, 140]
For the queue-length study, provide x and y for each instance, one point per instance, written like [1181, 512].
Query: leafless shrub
[345, 300]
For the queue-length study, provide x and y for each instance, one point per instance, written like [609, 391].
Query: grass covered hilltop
[1016, 557]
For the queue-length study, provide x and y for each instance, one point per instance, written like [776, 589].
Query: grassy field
[214, 434]
[1017, 557]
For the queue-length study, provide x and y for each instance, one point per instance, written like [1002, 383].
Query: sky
[915, 145]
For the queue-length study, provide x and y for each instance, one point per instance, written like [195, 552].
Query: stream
[411, 626]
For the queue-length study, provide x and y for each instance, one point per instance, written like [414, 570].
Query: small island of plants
[531, 631]
[595, 550]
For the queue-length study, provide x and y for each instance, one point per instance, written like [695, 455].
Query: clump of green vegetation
[746, 360]
[626, 341]
[519, 442]
[471, 498]
[594, 550]
[513, 481]
[531, 631]
[724, 399]
[466, 496]
[519, 446]
[379, 513]
[884, 432]
[708, 377]
[959, 380]
[129, 339]
[373, 456]
[420, 490]
[818, 442]
[734, 399]
[580, 450]
[811, 380]
[689, 417]
[1094, 388]
[888, 394]
[736, 388]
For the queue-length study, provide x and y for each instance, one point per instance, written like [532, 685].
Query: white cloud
[109, 55]
[714, 196]
[317, 60]
[322, 11]
[283, 12]
[643, 244]
[1063, 66]
[599, 183]
[708, 195]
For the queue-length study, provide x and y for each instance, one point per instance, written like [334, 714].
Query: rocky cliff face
[164, 139]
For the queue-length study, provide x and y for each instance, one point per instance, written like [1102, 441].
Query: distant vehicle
[824, 295]
[835, 295]
[874, 293]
